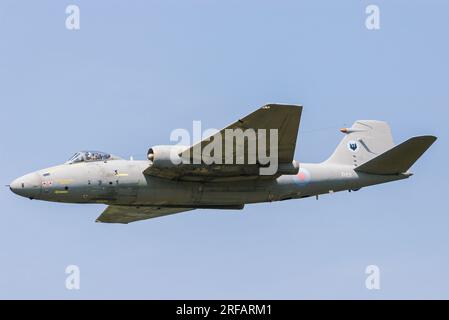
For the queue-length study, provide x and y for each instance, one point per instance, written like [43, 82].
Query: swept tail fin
[398, 159]
[365, 140]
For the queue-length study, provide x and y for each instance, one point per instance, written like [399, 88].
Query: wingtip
[431, 138]
[281, 105]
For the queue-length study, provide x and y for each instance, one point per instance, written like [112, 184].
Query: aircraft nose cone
[28, 186]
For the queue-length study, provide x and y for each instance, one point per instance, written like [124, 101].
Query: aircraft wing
[127, 214]
[284, 118]
[235, 166]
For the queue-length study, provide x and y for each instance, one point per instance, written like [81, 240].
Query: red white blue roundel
[302, 177]
[353, 146]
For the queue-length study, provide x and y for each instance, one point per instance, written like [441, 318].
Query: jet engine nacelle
[165, 156]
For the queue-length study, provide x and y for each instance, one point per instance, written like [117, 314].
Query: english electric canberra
[179, 178]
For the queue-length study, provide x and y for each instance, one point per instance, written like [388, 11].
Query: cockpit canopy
[89, 156]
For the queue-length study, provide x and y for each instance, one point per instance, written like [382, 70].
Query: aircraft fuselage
[122, 182]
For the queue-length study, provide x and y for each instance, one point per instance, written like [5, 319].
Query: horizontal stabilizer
[399, 158]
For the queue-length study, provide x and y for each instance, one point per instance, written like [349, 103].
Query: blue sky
[136, 70]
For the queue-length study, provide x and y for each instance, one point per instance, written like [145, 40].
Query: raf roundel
[353, 146]
[302, 177]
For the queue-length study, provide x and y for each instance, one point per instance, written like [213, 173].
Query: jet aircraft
[142, 189]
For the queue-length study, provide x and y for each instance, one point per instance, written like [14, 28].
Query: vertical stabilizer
[365, 140]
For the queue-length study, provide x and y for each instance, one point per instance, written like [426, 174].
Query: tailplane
[398, 159]
[368, 147]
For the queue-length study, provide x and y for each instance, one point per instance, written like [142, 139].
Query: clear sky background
[136, 70]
